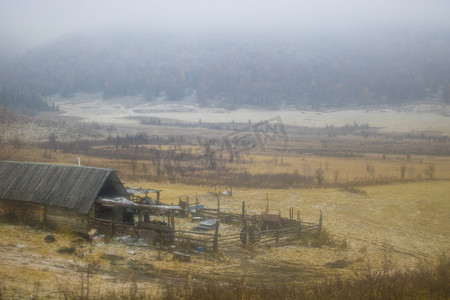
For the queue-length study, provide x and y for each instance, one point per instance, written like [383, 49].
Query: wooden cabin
[59, 196]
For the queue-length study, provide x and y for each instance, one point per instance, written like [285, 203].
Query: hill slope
[263, 71]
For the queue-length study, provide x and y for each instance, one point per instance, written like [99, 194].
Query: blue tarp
[196, 207]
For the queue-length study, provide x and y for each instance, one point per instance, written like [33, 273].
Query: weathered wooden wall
[51, 216]
[56, 217]
[21, 212]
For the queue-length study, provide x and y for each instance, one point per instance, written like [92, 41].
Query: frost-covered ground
[433, 116]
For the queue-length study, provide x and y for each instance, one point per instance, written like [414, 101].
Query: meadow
[384, 199]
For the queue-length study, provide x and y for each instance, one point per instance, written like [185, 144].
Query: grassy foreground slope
[381, 228]
[409, 219]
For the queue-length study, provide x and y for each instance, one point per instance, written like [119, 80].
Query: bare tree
[86, 264]
[133, 165]
[429, 171]
[52, 138]
[17, 143]
[320, 175]
[52, 141]
[411, 172]
[402, 171]
[336, 176]
[370, 169]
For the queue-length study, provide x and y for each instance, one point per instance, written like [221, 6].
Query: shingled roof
[69, 187]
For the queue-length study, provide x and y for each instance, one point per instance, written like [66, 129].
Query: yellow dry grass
[33, 268]
[410, 220]
[407, 221]
[365, 167]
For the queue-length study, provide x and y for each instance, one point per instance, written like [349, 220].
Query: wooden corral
[264, 229]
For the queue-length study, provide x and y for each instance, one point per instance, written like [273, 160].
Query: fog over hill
[235, 71]
[260, 54]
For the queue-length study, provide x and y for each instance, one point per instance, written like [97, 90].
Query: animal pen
[254, 229]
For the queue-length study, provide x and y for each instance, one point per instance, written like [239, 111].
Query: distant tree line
[233, 72]
[23, 100]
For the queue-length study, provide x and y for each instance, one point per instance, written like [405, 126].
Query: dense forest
[258, 71]
[21, 99]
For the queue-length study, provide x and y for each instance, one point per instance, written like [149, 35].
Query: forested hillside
[19, 98]
[261, 71]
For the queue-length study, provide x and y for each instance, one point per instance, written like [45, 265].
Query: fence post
[277, 237]
[216, 237]
[160, 245]
[187, 206]
[140, 218]
[113, 221]
[244, 241]
[172, 217]
[253, 233]
[320, 222]
[218, 207]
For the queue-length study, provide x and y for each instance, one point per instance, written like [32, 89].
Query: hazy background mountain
[258, 53]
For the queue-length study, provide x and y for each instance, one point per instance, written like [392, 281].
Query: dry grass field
[397, 227]
[385, 207]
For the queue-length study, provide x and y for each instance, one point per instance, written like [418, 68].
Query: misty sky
[28, 23]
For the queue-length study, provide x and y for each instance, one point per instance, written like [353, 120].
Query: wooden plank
[230, 238]
[191, 232]
[181, 257]
[191, 239]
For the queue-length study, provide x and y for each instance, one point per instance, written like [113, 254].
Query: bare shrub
[17, 143]
[319, 174]
[422, 283]
[403, 171]
[429, 171]
[86, 264]
[52, 138]
[370, 169]
[324, 238]
[336, 176]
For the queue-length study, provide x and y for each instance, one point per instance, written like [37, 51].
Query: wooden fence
[288, 230]
[230, 240]
[251, 233]
[203, 241]
[225, 217]
[200, 241]
[285, 235]
[113, 228]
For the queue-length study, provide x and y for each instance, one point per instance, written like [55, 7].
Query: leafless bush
[86, 264]
[324, 239]
[403, 171]
[319, 174]
[370, 169]
[422, 283]
[17, 143]
[429, 171]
